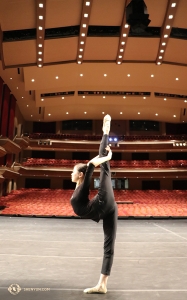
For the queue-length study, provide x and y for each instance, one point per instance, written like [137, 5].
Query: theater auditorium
[64, 65]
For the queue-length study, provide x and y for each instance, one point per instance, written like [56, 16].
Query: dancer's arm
[99, 160]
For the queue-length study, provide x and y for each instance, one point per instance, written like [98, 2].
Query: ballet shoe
[106, 123]
[96, 290]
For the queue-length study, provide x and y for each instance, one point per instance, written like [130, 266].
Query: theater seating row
[49, 202]
[98, 137]
[114, 163]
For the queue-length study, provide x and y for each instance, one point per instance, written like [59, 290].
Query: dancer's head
[78, 173]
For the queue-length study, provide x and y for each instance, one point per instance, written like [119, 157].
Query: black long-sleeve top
[82, 205]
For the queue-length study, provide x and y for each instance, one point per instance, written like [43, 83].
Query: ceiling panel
[17, 14]
[62, 13]
[180, 19]
[98, 48]
[104, 12]
[23, 52]
[176, 51]
[58, 50]
[141, 49]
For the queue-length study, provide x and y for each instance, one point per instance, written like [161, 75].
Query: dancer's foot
[106, 124]
[96, 290]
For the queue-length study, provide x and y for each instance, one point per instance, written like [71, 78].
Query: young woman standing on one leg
[102, 206]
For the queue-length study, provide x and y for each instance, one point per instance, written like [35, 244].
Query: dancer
[102, 206]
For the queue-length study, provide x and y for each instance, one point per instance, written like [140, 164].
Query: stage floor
[58, 258]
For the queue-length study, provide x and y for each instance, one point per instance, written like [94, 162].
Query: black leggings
[107, 209]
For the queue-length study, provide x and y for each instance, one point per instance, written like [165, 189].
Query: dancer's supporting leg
[108, 209]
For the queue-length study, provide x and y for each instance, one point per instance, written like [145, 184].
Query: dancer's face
[76, 175]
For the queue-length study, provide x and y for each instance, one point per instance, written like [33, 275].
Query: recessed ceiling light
[156, 114]
[40, 53]
[185, 100]
[174, 116]
[22, 97]
[32, 80]
[144, 97]
[121, 113]
[103, 112]
[123, 43]
[162, 51]
[128, 75]
[173, 4]
[49, 114]
[84, 97]
[86, 15]
[17, 87]
[31, 115]
[81, 42]
[67, 113]
[41, 5]
[152, 75]
[124, 97]
[105, 75]
[177, 78]
[42, 99]
[81, 49]
[56, 77]
[168, 27]
[138, 113]
[170, 17]
[163, 44]
[39, 66]
[27, 105]
[124, 34]
[40, 59]
[62, 97]
[158, 63]
[81, 75]
[121, 50]
[85, 112]
[126, 25]
[165, 36]
[80, 56]
[160, 57]
[104, 97]
[84, 25]
[40, 45]
[79, 62]
[119, 62]
[82, 34]
[11, 78]
[165, 99]
[120, 56]
[40, 17]
[87, 3]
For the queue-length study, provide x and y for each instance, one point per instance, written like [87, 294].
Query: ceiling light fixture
[40, 17]
[41, 5]
[86, 15]
[40, 28]
[32, 80]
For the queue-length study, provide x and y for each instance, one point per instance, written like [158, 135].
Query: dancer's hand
[109, 152]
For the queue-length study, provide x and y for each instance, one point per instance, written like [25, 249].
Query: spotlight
[136, 16]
